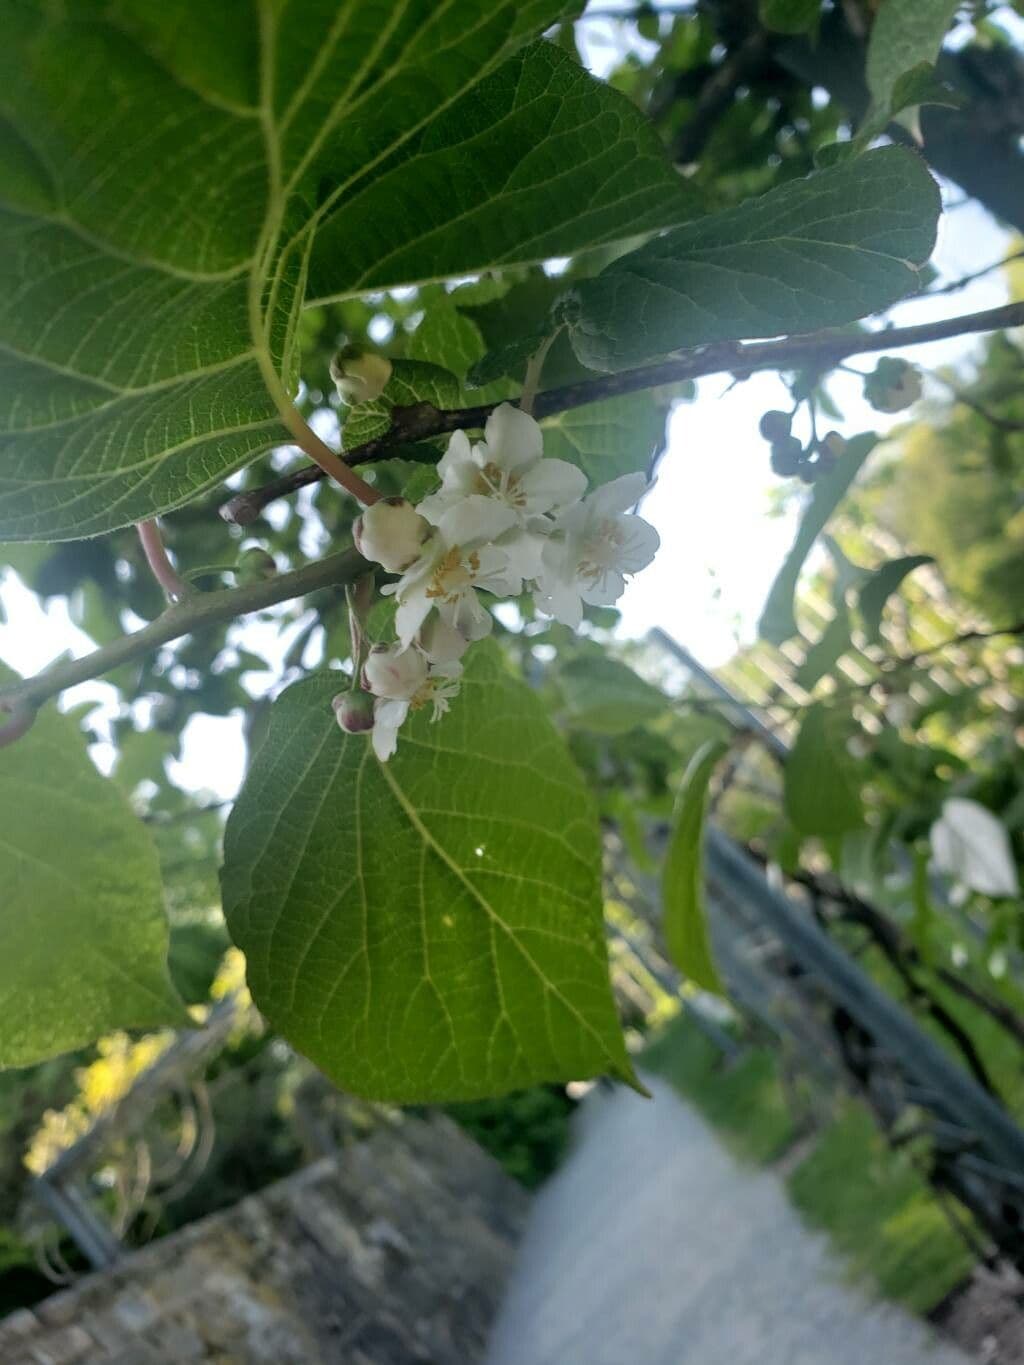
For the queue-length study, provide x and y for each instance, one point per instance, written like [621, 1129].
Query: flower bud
[391, 671]
[359, 376]
[254, 566]
[353, 712]
[833, 444]
[893, 385]
[441, 641]
[391, 532]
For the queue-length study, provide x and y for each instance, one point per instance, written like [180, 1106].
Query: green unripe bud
[832, 445]
[360, 376]
[254, 565]
[774, 425]
[787, 455]
[353, 712]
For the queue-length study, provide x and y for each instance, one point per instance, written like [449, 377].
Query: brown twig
[195, 612]
[824, 350]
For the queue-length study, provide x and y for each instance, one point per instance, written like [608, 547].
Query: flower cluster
[504, 520]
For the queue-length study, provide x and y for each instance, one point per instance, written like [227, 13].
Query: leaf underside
[684, 915]
[174, 179]
[430, 928]
[819, 252]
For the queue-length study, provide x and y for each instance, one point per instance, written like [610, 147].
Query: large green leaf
[685, 921]
[904, 34]
[880, 587]
[429, 928]
[606, 439]
[84, 933]
[778, 622]
[814, 253]
[827, 650]
[822, 795]
[605, 696]
[176, 177]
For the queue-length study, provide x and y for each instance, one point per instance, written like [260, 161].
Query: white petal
[618, 496]
[608, 588]
[551, 484]
[388, 717]
[513, 438]
[562, 601]
[495, 573]
[524, 551]
[413, 610]
[457, 458]
[476, 519]
[469, 616]
[434, 506]
[640, 544]
[972, 845]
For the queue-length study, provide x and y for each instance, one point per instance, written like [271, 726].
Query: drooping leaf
[429, 928]
[819, 252]
[685, 919]
[412, 381]
[790, 16]
[880, 587]
[606, 696]
[778, 622]
[904, 33]
[176, 177]
[822, 795]
[922, 85]
[606, 439]
[84, 933]
[826, 651]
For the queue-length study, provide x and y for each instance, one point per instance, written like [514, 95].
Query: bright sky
[720, 547]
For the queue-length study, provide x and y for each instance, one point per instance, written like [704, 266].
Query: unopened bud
[353, 712]
[394, 672]
[833, 444]
[391, 532]
[360, 376]
[892, 385]
[254, 566]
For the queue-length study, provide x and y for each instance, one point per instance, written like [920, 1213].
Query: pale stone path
[653, 1247]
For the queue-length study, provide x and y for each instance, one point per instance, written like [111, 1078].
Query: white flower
[458, 559]
[597, 543]
[508, 467]
[971, 844]
[402, 681]
[360, 376]
[390, 532]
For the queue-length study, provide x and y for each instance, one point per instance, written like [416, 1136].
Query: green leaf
[606, 439]
[789, 16]
[176, 178]
[819, 252]
[880, 587]
[683, 878]
[430, 928]
[412, 381]
[195, 955]
[904, 34]
[826, 651]
[822, 796]
[778, 622]
[508, 359]
[605, 695]
[85, 938]
[922, 85]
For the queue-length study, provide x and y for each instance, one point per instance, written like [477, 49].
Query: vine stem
[197, 611]
[156, 557]
[824, 350]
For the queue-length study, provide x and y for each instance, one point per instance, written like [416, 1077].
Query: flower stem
[533, 370]
[175, 587]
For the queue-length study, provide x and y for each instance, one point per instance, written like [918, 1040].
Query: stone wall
[395, 1250]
